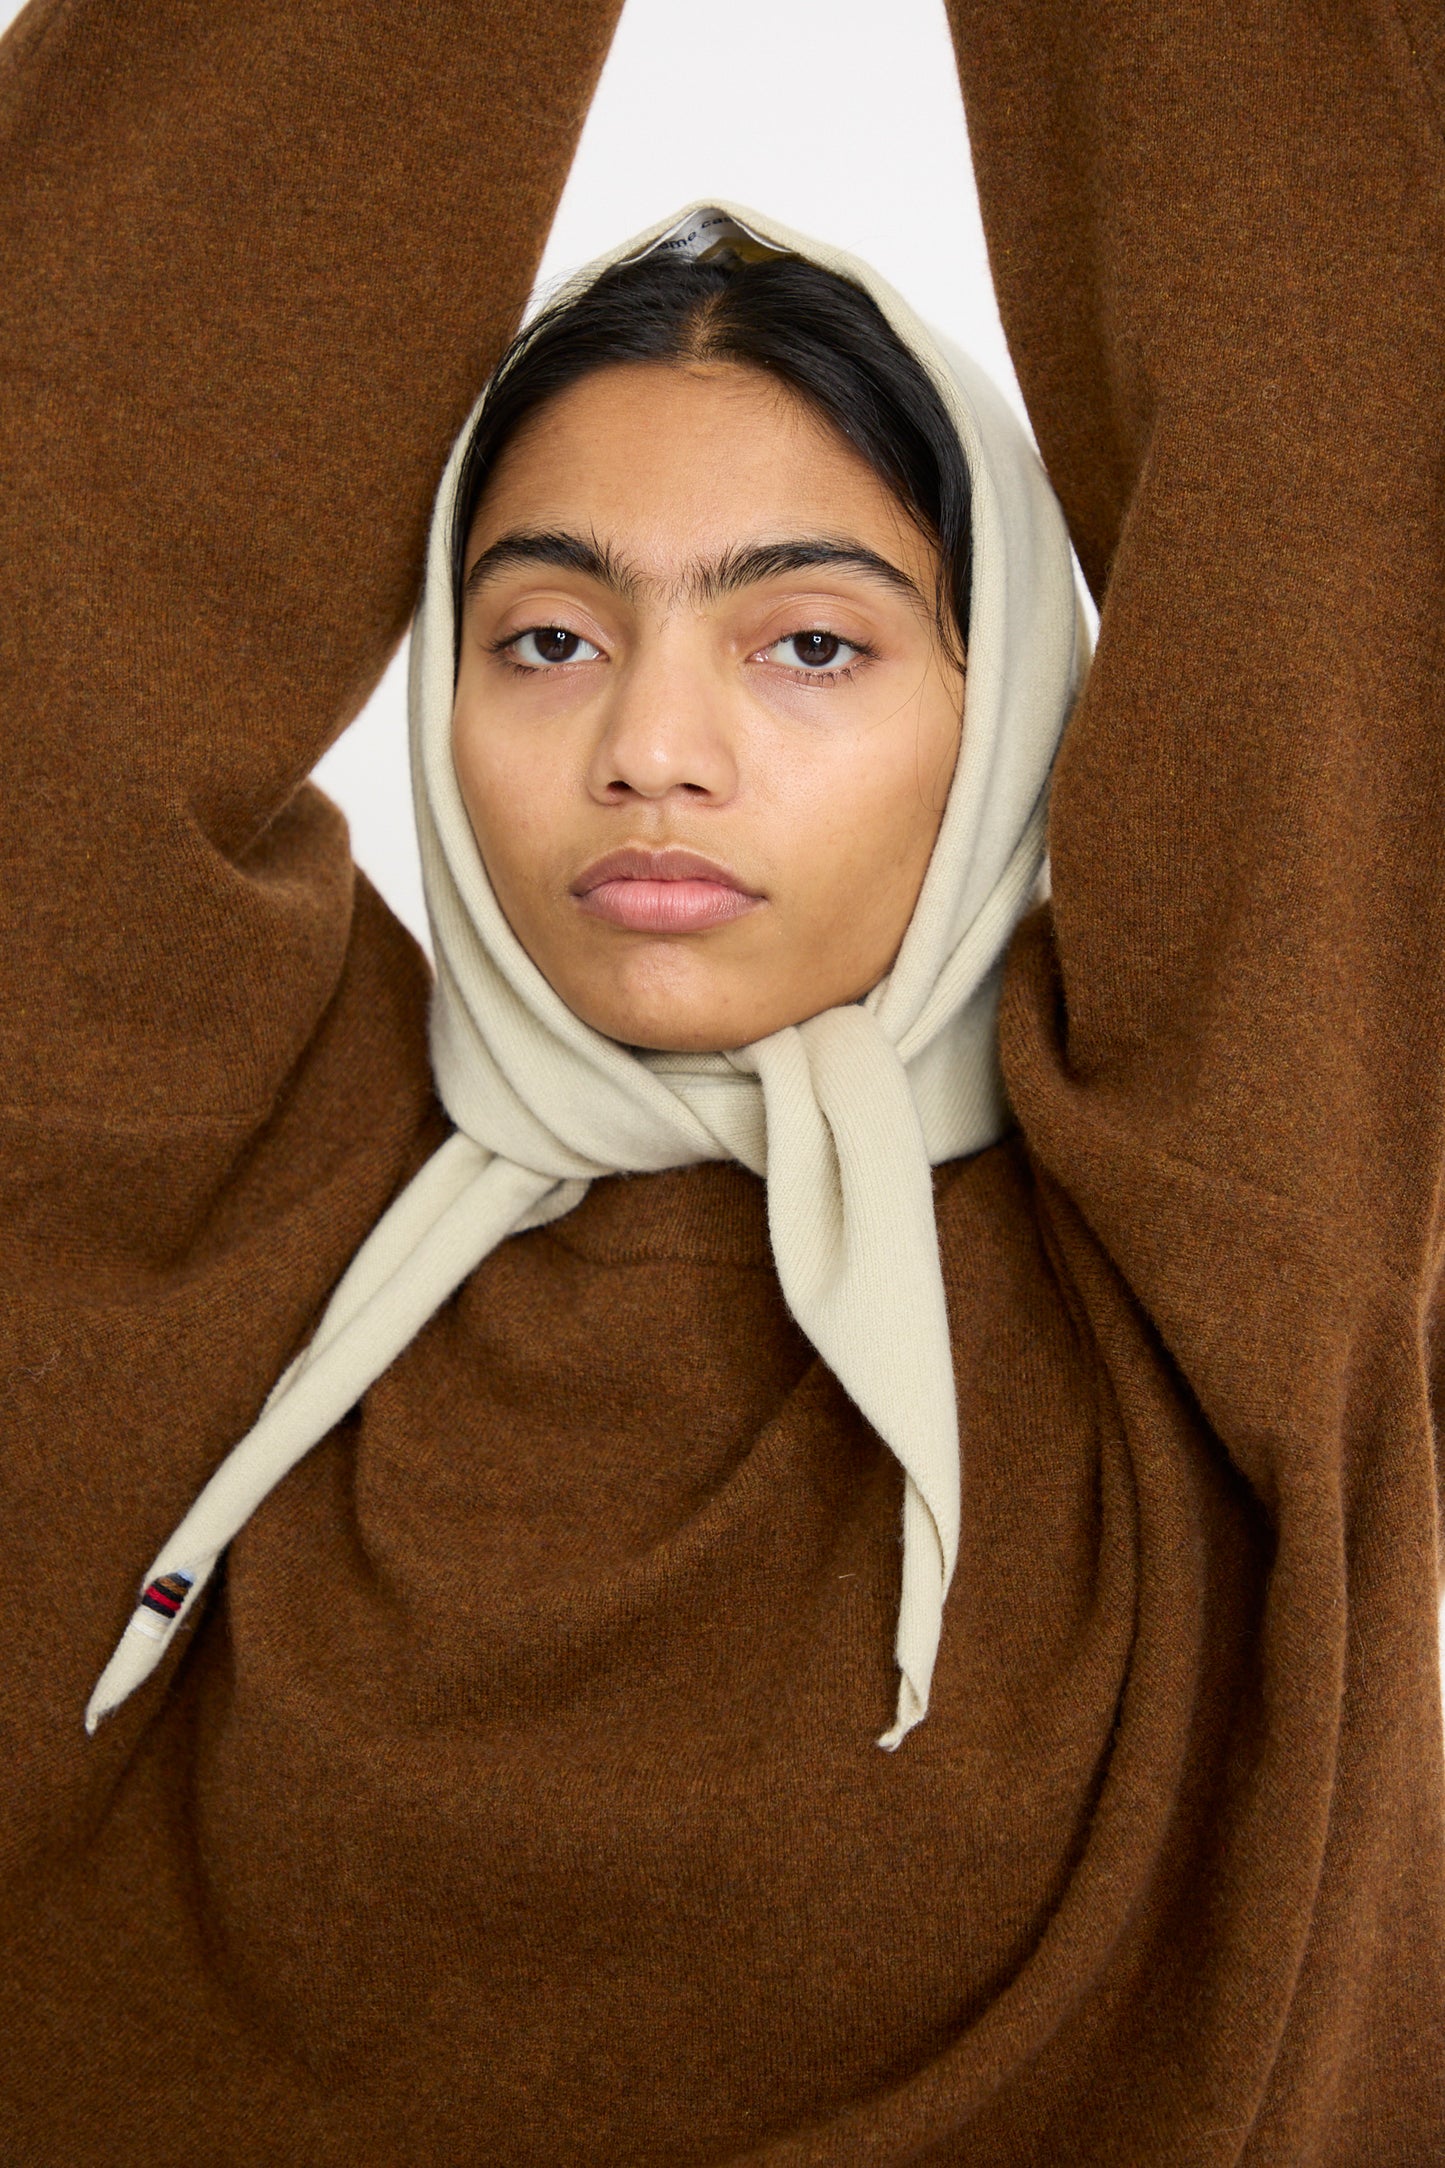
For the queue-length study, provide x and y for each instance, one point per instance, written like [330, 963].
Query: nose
[665, 728]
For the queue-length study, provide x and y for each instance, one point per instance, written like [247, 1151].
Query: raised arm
[1219, 241]
[1220, 254]
[1219, 238]
[253, 264]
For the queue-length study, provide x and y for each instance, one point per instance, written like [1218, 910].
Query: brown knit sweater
[477, 1821]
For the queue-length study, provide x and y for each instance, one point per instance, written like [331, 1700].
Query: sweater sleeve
[1220, 252]
[254, 263]
[1218, 237]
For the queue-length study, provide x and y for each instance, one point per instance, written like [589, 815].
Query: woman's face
[704, 725]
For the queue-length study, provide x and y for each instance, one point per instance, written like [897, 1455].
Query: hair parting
[810, 329]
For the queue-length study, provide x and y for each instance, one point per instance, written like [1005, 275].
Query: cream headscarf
[843, 1114]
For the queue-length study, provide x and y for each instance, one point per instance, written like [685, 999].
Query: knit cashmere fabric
[511, 1795]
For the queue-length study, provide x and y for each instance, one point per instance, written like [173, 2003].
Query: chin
[653, 1034]
[665, 1027]
[663, 1011]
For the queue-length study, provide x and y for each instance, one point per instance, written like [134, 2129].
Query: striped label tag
[162, 1600]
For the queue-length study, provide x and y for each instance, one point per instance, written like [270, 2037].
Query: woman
[715, 501]
[515, 1798]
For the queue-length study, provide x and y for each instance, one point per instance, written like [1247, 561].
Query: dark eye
[545, 644]
[814, 651]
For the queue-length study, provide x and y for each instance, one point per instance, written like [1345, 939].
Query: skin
[696, 712]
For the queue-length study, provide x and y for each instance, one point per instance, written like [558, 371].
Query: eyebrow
[702, 581]
[569, 552]
[741, 568]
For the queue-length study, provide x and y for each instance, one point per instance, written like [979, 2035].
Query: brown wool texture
[513, 1799]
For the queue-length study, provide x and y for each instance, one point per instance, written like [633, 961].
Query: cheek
[510, 791]
[868, 811]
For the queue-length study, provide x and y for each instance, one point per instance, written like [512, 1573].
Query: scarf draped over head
[843, 1116]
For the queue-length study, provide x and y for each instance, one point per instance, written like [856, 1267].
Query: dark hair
[815, 331]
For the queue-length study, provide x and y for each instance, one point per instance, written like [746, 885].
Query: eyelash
[861, 653]
[501, 649]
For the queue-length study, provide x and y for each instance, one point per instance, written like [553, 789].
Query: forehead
[671, 462]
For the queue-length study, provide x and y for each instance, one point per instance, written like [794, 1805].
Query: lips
[667, 891]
